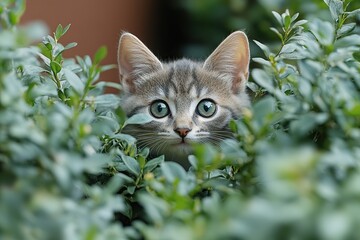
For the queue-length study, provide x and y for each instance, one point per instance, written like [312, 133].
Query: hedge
[68, 172]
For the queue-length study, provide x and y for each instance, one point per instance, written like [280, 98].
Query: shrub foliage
[68, 172]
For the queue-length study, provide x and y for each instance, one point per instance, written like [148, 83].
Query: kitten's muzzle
[182, 132]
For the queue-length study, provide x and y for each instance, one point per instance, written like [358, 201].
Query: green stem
[56, 80]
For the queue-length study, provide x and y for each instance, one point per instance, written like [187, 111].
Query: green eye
[206, 108]
[159, 109]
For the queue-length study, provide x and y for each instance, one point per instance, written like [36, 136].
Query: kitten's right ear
[134, 60]
[232, 58]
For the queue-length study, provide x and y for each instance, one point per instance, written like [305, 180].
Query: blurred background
[170, 28]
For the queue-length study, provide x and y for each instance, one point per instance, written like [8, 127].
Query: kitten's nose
[182, 131]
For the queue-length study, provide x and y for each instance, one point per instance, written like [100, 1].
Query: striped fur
[182, 84]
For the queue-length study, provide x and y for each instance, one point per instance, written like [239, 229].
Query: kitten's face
[188, 102]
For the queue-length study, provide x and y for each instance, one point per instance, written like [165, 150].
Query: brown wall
[95, 23]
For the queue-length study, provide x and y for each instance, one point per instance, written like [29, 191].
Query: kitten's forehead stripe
[161, 93]
[172, 81]
[194, 83]
[202, 92]
[182, 73]
[174, 87]
[167, 86]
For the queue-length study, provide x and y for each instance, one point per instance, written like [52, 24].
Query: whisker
[159, 141]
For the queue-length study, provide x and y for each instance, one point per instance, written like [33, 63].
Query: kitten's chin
[181, 148]
[179, 153]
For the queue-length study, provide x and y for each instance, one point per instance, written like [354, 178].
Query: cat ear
[134, 60]
[232, 58]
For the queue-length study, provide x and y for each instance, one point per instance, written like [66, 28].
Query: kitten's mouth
[183, 142]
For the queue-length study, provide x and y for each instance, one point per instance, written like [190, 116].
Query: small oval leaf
[100, 54]
[132, 165]
[140, 118]
[172, 171]
[55, 67]
[74, 81]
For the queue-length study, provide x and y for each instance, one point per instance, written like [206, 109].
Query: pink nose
[182, 131]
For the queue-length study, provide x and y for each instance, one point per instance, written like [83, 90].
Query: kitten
[189, 102]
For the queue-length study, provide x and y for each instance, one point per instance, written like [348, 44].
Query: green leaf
[310, 69]
[334, 224]
[63, 109]
[46, 53]
[74, 81]
[153, 163]
[106, 102]
[299, 23]
[33, 70]
[55, 67]
[289, 48]
[131, 164]
[58, 50]
[263, 109]
[262, 61]
[66, 29]
[307, 122]
[305, 88]
[96, 163]
[50, 40]
[48, 46]
[114, 85]
[336, 8]
[346, 29]
[277, 17]
[124, 137]
[294, 17]
[277, 33]
[131, 189]
[356, 56]
[351, 40]
[263, 79]
[354, 13]
[59, 58]
[114, 184]
[105, 125]
[287, 21]
[140, 118]
[205, 154]
[172, 171]
[155, 208]
[13, 18]
[107, 67]
[354, 110]
[100, 54]
[87, 61]
[323, 31]
[58, 32]
[263, 47]
[70, 45]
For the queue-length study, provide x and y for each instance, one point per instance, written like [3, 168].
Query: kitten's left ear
[134, 60]
[232, 58]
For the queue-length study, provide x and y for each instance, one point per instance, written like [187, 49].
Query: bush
[68, 172]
